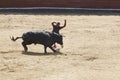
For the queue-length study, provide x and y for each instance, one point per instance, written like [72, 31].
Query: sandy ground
[91, 48]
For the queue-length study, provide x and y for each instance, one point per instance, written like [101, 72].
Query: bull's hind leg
[25, 47]
[45, 49]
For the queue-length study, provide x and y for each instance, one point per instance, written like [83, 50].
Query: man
[57, 27]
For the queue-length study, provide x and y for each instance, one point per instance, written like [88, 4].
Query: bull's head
[59, 39]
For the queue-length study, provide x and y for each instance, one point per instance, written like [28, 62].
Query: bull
[47, 39]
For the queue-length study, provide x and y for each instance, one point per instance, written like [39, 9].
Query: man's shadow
[41, 54]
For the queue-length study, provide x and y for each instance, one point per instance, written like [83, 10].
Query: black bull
[40, 37]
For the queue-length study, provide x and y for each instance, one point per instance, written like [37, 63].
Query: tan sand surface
[91, 48]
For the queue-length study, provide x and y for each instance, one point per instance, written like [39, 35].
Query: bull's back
[40, 37]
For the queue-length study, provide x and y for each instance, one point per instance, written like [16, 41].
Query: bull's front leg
[52, 49]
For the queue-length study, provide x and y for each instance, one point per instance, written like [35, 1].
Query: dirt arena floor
[91, 48]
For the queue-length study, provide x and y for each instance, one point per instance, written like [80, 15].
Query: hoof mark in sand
[90, 58]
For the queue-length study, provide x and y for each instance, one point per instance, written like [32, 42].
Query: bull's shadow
[41, 54]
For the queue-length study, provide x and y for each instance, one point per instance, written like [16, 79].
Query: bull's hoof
[58, 50]
[54, 51]
[25, 51]
[45, 53]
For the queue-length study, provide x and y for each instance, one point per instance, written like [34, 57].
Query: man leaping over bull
[57, 27]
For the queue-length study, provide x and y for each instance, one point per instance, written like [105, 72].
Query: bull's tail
[14, 39]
